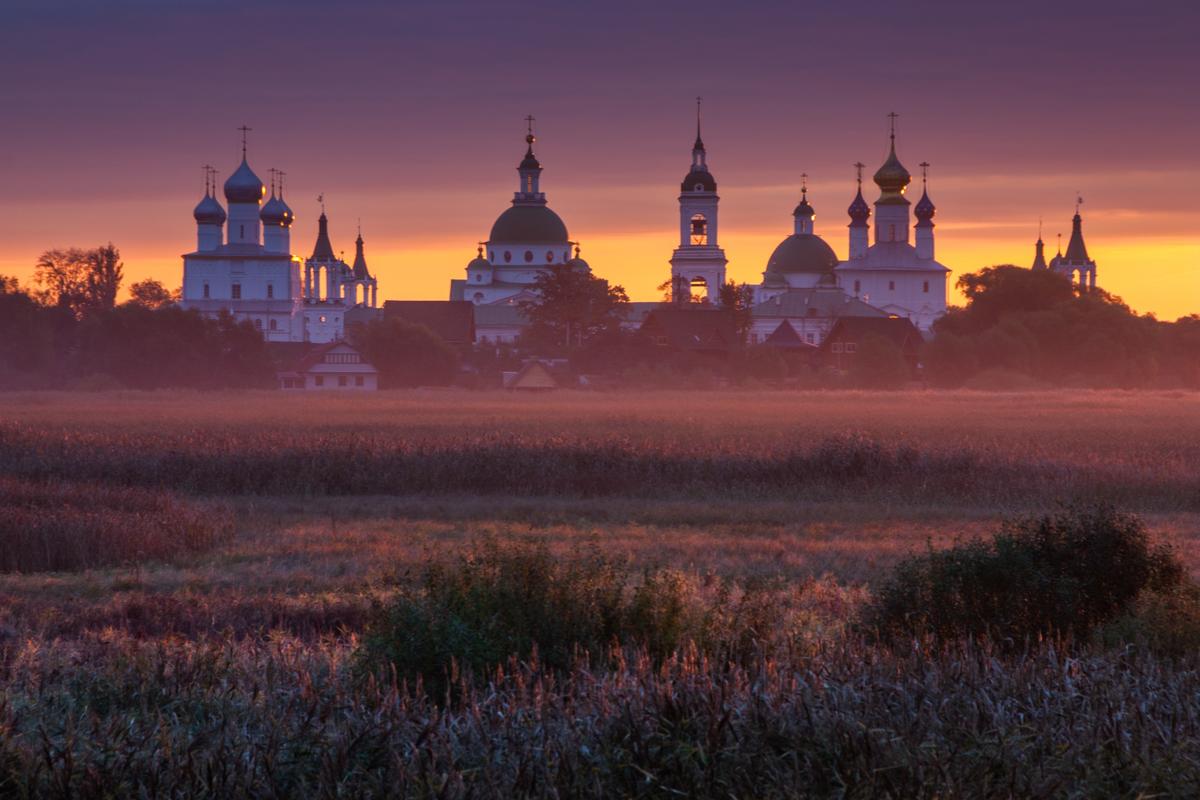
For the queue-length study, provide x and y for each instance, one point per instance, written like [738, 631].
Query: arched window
[699, 229]
[528, 184]
[698, 290]
[528, 256]
[507, 256]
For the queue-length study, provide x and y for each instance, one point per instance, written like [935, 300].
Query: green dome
[533, 224]
[802, 252]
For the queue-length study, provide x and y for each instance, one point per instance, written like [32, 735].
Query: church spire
[699, 145]
[1076, 250]
[1039, 257]
[323, 249]
[530, 172]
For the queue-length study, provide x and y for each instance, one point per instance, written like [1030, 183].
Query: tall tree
[738, 298]
[572, 306]
[104, 275]
[82, 281]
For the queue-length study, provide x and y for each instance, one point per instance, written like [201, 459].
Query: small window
[811, 338]
[529, 184]
[258, 323]
[206, 291]
[892, 232]
[270, 291]
[528, 256]
[242, 234]
[321, 318]
[358, 380]
[319, 380]
[836, 347]
[507, 256]
[549, 257]
[925, 287]
[857, 287]
[341, 380]
[851, 347]
[274, 325]
[235, 291]
[891, 286]
[699, 187]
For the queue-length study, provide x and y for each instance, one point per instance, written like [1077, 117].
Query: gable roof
[534, 375]
[452, 320]
[785, 336]
[300, 357]
[692, 328]
[855, 329]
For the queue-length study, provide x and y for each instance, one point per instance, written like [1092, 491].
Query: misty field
[196, 589]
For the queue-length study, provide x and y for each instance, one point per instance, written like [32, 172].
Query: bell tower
[698, 264]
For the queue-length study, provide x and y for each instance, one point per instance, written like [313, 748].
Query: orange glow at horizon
[1143, 256]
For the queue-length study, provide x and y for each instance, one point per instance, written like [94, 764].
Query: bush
[498, 600]
[512, 600]
[1059, 574]
[46, 527]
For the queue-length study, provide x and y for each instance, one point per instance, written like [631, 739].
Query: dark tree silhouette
[406, 354]
[572, 307]
[151, 294]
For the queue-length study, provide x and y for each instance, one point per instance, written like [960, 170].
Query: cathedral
[526, 241]
[1075, 264]
[805, 284]
[243, 264]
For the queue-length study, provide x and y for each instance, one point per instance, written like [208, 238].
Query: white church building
[243, 265]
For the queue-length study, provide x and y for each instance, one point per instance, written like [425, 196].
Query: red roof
[453, 320]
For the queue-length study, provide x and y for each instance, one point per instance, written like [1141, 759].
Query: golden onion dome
[892, 178]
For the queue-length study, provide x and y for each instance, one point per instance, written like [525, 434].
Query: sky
[409, 116]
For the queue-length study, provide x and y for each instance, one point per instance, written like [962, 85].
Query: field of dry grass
[337, 502]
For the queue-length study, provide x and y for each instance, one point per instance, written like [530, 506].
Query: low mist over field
[351, 575]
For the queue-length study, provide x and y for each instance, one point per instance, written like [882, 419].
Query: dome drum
[802, 253]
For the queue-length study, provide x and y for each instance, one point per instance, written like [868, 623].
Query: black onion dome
[209, 212]
[532, 224]
[274, 212]
[802, 252]
[925, 208]
[699, 181]
[243, 186]
[530, 161]
[804, 209]
[859, 211]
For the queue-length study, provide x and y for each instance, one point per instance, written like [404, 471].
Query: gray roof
[499, 314]
[528, 224]
[893, 256]
[802, 252]
[798, 302]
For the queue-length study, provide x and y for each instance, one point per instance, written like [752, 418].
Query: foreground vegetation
[335, 629]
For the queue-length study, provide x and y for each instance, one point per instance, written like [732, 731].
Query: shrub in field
[500, 599]
[507, 600]
[1059, 574]
[68, 526]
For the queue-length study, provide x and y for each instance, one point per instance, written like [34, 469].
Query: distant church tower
[1076, 261]
[698, 264]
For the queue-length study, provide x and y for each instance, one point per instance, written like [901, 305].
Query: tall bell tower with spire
[698, 264]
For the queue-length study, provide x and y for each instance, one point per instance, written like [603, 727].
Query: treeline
[1025, 328]
[67, 331]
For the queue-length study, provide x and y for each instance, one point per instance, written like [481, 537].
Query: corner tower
[698, 264]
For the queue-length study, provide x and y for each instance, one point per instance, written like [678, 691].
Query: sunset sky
[409, 116]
